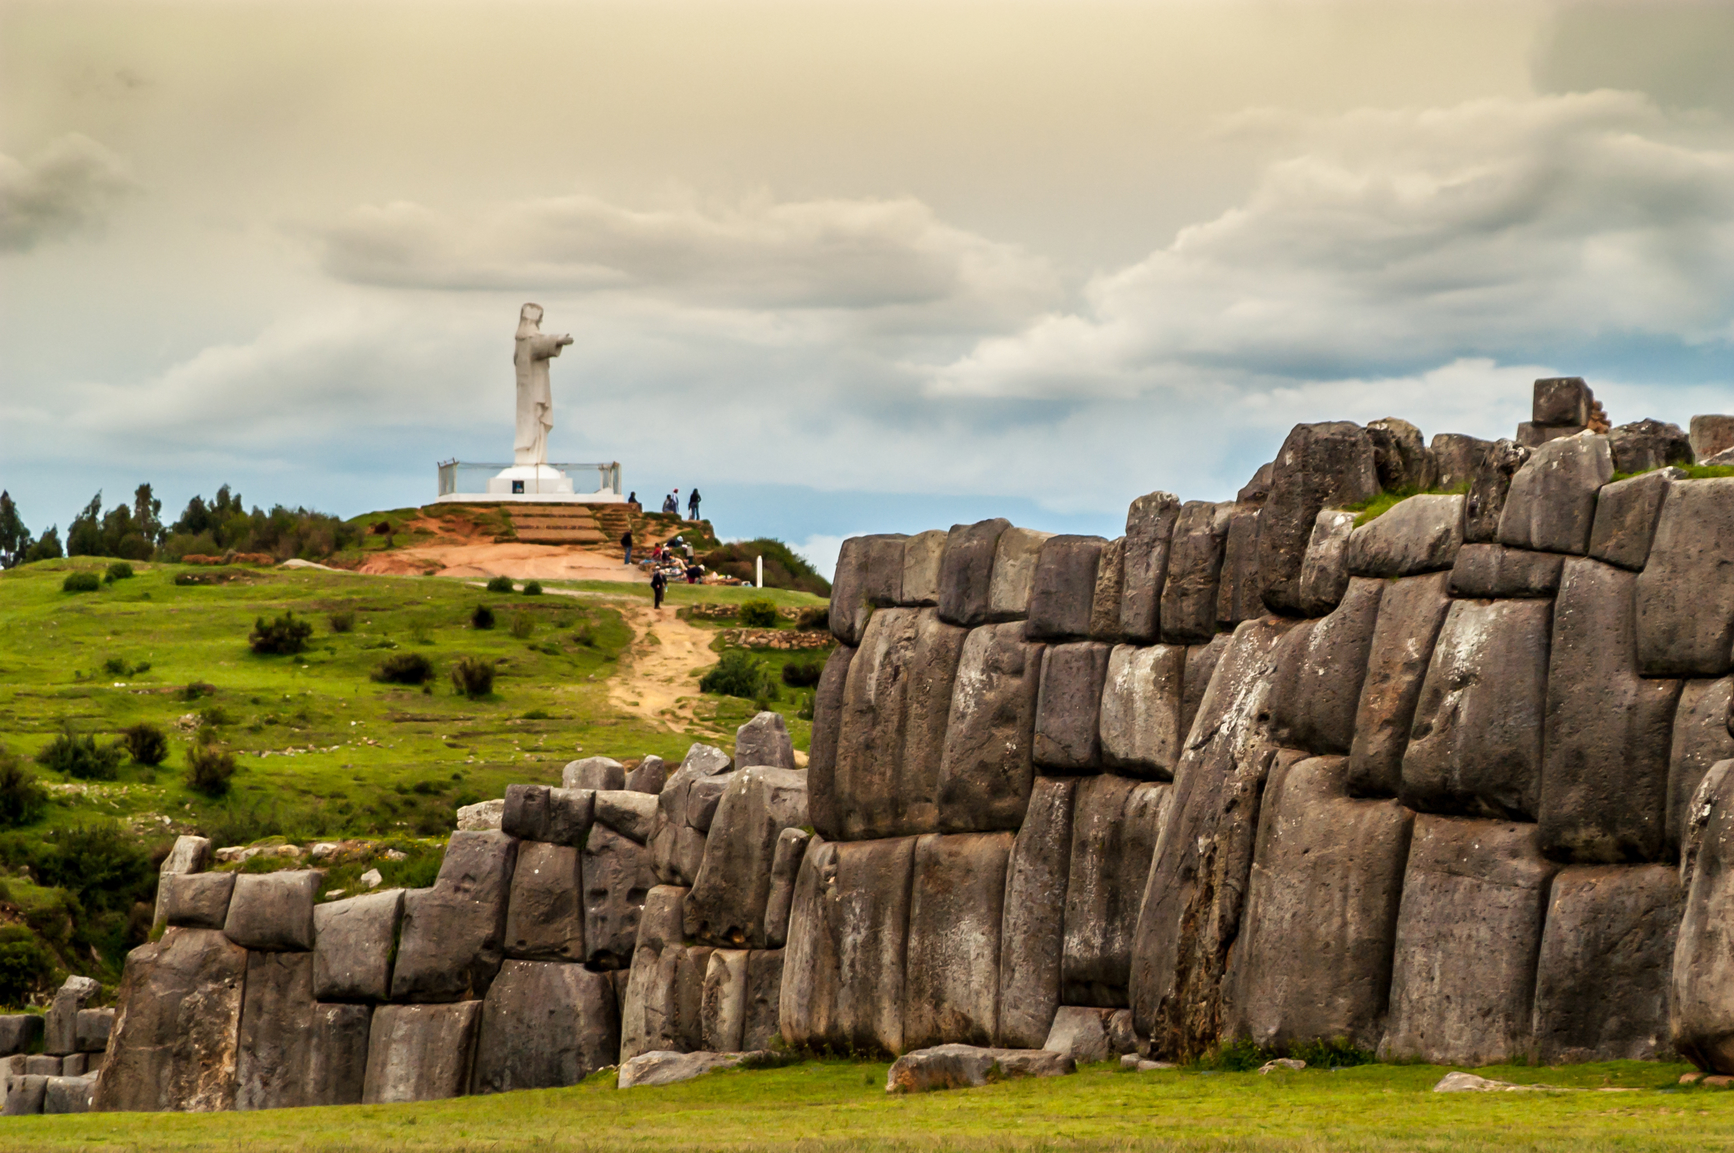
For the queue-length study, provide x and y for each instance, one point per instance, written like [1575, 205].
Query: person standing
[658, 583]
[626, 544]
[692, 499]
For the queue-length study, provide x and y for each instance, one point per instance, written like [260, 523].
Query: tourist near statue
[535, 402]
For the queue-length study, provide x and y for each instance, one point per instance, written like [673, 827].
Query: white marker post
[759, 572]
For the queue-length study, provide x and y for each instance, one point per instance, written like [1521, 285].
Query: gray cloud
[70, 185]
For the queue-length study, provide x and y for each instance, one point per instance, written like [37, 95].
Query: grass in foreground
[825, 1105]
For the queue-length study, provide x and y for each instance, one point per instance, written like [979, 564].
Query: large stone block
[195, 900]
[649, 776]
[1604, 778]
[292, 1051]
[189, 854]
[965, 1066]
[1238, 586]
[355, 939]
[760, 1029]
[1149, 530]
[174, 1040]
[594, 774]
[1314, 960]
[1257, 490]
[923, 556]
[650, 1011]
[933, 665]
[1552, 503]
[556, 816]
[1489, 489]
[1686, 591]
[60, 1027]
[617, 877]
[1411, 612]
[951, 988]
[843, 969]
[545, 912]
[1648, 444]
[629, 812]
[1320, 667]
[1710, 436]
[1457, 457]
[1701, 981]
[1400, 455]
[68, 1094]
[1701, 738]
[25, 1094]
[1032, 932]
[93, 1029]
[764, 740]
[1110, 589]
[828, 709]
[1475, 747]
[1189, 594]
[273, 910]
[785, 869]
[545, 1024]
[690, 967]
[1626, 515]
[420, 1052]
[1325, 571]
[1142, 720]
[1320, 466]
[1015, 558]
[1468, 935]
[1485, 571]
[1561, 400]
[986, 770]
[1601, 986]
[1115, 823]
[727, 902]
[677, 846]
[453, 934]
[723, 1003]
[869, 575]
[1201, 661]
[966, 572]
[1063, 588]
[702, 798]
[1069, 705]
[904, 665]
[1417, 535]
[18, 1032]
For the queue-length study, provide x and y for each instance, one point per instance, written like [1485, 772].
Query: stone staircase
[557, 524]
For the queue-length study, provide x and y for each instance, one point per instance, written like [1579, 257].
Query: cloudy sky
[846, 266]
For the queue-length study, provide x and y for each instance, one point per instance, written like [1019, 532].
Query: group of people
[671, 503]
[670, 561]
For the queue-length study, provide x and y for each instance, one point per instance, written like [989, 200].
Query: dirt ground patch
[656, 680]
[456, 558]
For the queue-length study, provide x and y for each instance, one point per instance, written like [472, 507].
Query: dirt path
[655, 680]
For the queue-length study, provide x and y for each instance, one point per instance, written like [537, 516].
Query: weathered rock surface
[828, 710]
[1710, 436]
[453, 934]
[1069, 705]
[1400, 455]
[1320, 666]
[18, 1031]
[764, 740]
[1080, 1033]
[1601, 987]
[1189, 593]
[1489, 488]
[693, 963]
[1457, 457]
[1648, 444]
[174, 1040]
[923, 557]
[865, 792]
[933, 665]
[986, 769]
[727, 902]
[1411, 612]
[556, 816]
[293, 1052]
[1475, 747]
[1552, 503]
[677, 847]
[188, 855]
[760, 1028]
[1110, 589]
[663, 1067]
[965, 1066]
[273, 910]
[1330, 465]
[421, 1052]
[1626, 515]
[1604, 779]
[354, 942]
[617, 876]
[1701, 983]
[1201, 663]
[592, 773]
[60, 1023]
[1115, 824]
[629, 812]
[843, 969]
[1238, 585]
[1142, 717]
[545, 1024]
[68, 1094]
[1417, 535]
[1149, 530]
[1325, 571]
[951, 984]
[24, 1095]
[1486, 571]
[1032, 927]
[1314, 960]
[785, 869]
[1701, 737]
[1468, 935]
[195, 900]
[1685, 594]
[545, 914]
[1015, 558]
[1561, 400]
[869, 575]
[966, 572]
[701, 802]
[93, 1029]
[649, 777]
[723, 1002]
[1063, 589]
[650, 1011]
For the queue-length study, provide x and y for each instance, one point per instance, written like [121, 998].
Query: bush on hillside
[404, 669]
[814, 619]
[738, 674]
[532, 588]
[482, 617]
[522, 625]
[118, 571]
[473, 677]
[209, 769]
[81, 582]
[342, 621]
[784, 568]
[282, 636]
[146, 743]
[80, 757]
[758, 614]
[26, 966]
[500, 584]
[803, 673]
[101, 863]
[22, 797]
[224, 525]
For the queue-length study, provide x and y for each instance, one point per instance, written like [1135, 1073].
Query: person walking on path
[692, 505]
[626, 543]
[658, 583]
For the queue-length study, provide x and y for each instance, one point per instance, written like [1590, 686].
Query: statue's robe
[535, 401]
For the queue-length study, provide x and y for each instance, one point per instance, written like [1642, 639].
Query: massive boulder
[1063, 589]
[785, 870]
[293, 1052]
[1417, 535]
[727, 902]
[1320, 466]
[951, 982]
[760, 1028]
[1149, 530]
[1648, 444]
[1457, 457]
[863, 795]
[453, 934]
[1468, 934]
[1486, 571]
[1069, 706]
[1710, 436]
[557, 816]
[1314, 961]
[650, 1012]
[420, 1052]
[273, 910]
[764, 740]
[964, 1066]
[1626, 515]
[1604, 777]
[1319, 670]
[629, 812]
[828, 709]
[189, 855]
[933, 665]
[1325, 571]
[592, 774]
[1686, 592]
[649, 776]
[355, 940]
[923, 557]
[1475, 747]
[1552, 503]
[617, 875]
[60, 1028]
[1400, 456]
[1189, 592]
[723, 1002]
[966, 571]
[1701, 982]
[545, 1024]
[1489, 488]
[194, 900]
[1703, 734]
[545, 912]
[1032, 930]
[986, 769]
[1109, 592]
[677, 846]
[869, 575]
[174, 1041]
[1015, 558]
[1237, 588]
[1115, 823]
[1142, 717]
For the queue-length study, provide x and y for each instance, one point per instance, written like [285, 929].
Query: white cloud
[821, 552]
[68, 186]
[1408, 238]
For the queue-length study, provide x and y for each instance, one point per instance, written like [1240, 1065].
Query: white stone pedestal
[530, 480]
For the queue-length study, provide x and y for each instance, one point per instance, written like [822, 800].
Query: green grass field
[825, 1105]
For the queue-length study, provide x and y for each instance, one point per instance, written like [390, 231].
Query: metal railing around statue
[463, 476]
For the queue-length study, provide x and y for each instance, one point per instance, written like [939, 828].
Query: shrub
[803, 674]
[197, 689]
[209, 769]
[101, 863]
[500, 584]
[80, 757]
[146, 743]
[25, 965]
[80, 582]
[1330, 1053]
[814, 619]
[482, 617]
[759, 614]
[22, 797]
[404, 669]
[473, 677]
[118, 571]
[522, 625]
[342, 622]
[532, 588]
[585, 635]
[115, 666]
[738, 675]
[805, 712]
[282, 636]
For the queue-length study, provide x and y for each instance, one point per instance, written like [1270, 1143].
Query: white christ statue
[535, 401]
